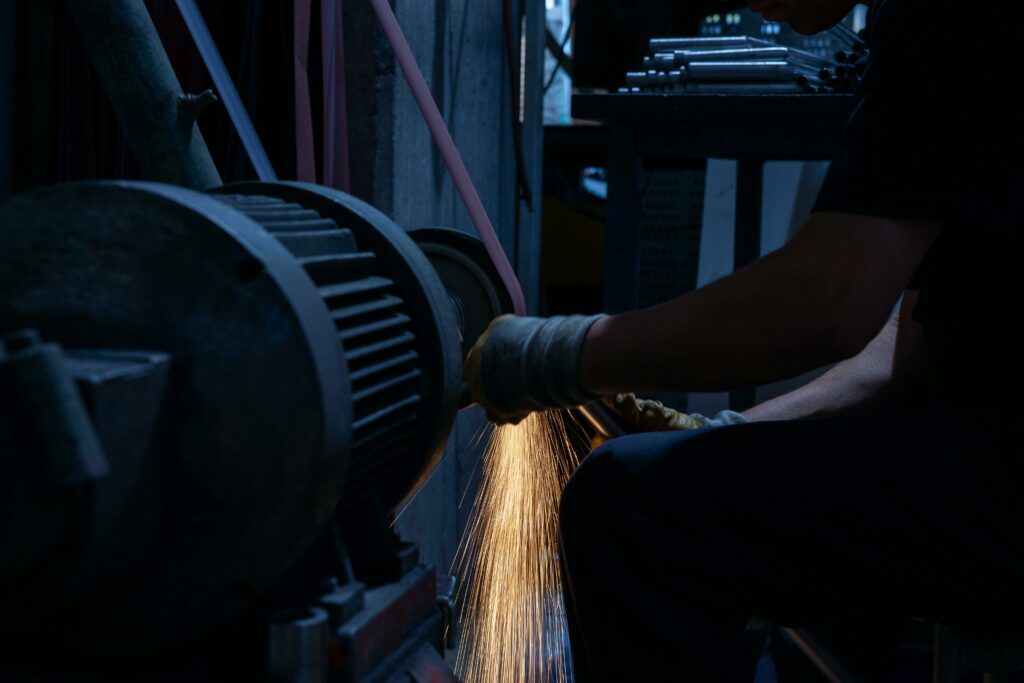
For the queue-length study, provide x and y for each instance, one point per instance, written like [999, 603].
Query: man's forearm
[888, 373]
[764, 323]
[818, 300]
[861, 384]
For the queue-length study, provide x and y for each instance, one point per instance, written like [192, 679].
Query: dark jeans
[671, 541]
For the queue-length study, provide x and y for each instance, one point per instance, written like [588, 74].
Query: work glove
[645, 415]
[521, 365]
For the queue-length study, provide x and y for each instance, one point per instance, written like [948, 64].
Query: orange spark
[513, 616]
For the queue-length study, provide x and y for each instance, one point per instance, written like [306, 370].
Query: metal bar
[797, 55]
[670, 44]
[155, 116]
[847, 35]
[752, 54]
[226, 89]
[758, 88]
[741, 71]
[602, 419]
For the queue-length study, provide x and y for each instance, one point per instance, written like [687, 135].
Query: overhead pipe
[157, 118]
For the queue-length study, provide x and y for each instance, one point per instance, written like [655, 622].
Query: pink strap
[450, 153]
[305, 157]
[335, 131]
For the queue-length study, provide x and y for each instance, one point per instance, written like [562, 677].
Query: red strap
[305, 156]
[335, 132]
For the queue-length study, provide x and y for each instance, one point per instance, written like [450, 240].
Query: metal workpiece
[656, 79]
[156, 118]
[603, 419]
[809, 82]
[727, 42]
[742, 65]
[636, 79]
[686, 57]
[664, 61]
[847, 35]
[742, 71]
[745, 88]
[803, 56]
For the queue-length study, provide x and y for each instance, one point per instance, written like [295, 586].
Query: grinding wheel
[473, 284]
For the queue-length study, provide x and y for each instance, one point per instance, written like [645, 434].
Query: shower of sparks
[512, 611]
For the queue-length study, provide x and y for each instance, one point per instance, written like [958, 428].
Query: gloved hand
[645, 415]
[522, 365]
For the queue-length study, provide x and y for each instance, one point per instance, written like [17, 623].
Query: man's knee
[589, 489]
[611, 475]
[651, 474]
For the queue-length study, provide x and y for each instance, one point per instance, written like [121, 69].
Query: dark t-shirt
[935, 137]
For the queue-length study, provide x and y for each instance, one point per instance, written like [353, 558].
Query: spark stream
[512, 602]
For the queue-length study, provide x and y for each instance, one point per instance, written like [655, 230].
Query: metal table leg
[747, 245]
[622, 222]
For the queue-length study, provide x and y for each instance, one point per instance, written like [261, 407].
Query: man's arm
[891, 371]
[820, 299]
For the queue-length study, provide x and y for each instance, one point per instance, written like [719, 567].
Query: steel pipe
[156, 117]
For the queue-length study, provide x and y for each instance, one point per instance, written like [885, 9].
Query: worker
[890, 485]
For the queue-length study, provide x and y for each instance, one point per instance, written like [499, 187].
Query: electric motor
[253, 361]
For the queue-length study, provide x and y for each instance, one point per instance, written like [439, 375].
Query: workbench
[752, 129]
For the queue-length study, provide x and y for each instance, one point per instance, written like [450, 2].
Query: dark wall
[395, 165]
[6, 94]
[67, 129]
